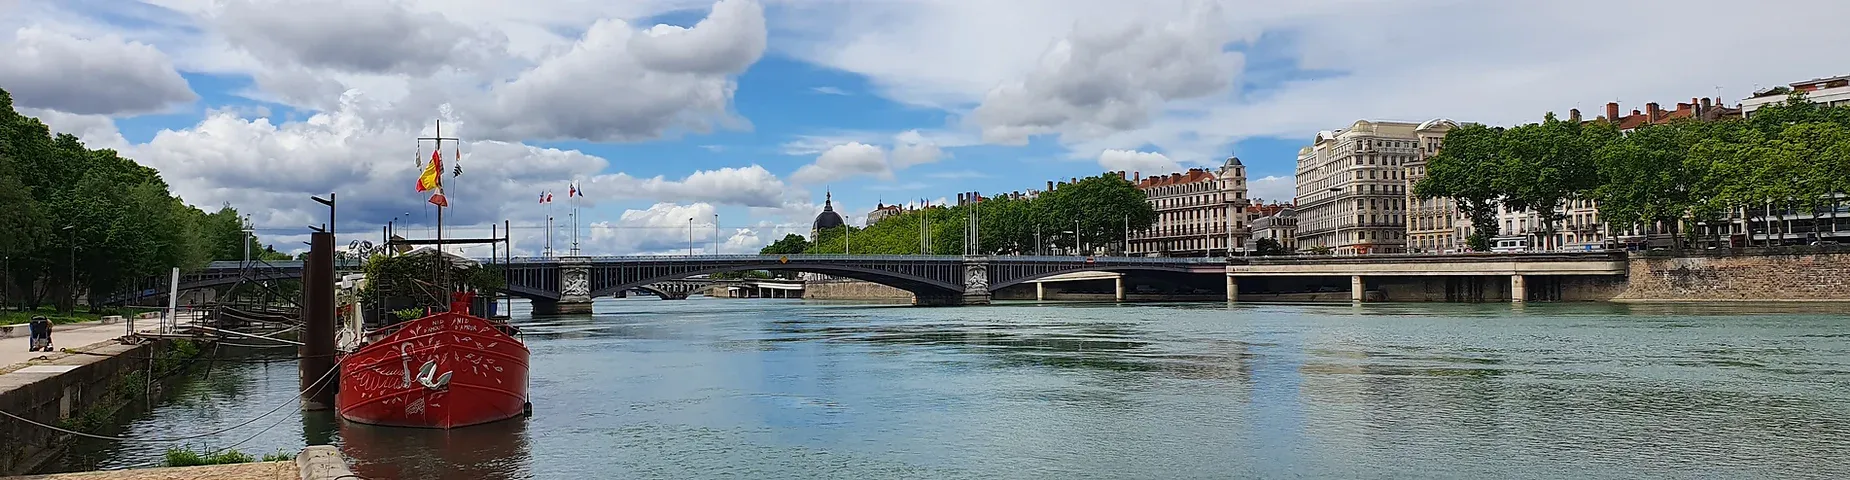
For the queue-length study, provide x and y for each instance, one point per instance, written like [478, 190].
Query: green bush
[279, 456]
[185, 457]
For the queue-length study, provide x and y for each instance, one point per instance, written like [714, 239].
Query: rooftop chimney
[1137, 176]
[1652, 112]
[1612, 112]
[1050, 185]
[1706, 104]
[1573, 115]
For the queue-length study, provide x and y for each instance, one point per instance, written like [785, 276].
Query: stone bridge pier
[574, 289]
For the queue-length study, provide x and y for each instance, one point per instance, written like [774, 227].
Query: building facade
[1352, 187]
[1199, 213]
[1434, 225]
[882, 211]
[1280, 225]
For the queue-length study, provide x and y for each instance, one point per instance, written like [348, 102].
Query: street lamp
[71, 284]
[716, 234]
[690, 236]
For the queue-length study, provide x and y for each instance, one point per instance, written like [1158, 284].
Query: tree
[1266, 247]
[790, 244]
[1468, 170]
[1547, 164]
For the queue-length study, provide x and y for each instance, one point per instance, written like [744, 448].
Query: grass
[11, 317]
[279, 456]
[186, 457]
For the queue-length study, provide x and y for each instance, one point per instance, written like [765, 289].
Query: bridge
[1530, 275]
[568, 284]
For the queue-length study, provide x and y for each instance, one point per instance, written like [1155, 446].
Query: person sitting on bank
[40, 327]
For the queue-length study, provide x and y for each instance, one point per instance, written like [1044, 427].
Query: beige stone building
[1433, 225]
[1199, 213]
[1352, 188]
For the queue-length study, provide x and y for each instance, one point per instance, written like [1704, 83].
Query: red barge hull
[445, 370]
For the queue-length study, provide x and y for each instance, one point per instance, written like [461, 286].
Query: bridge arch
[1001, 283]
[917, 284]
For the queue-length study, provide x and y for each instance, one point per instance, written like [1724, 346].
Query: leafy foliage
[79, 219]
[1099, 208]
[1266, 247]
[416, 276]
[1791, 154]
[790, 244]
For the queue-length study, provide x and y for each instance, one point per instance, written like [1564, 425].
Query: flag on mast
[432, 178]
[545, 197]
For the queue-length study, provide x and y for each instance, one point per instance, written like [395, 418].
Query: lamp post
[690, 236]
[71, 283]
[716, 234]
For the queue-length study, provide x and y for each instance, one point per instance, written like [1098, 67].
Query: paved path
[239, 471]
[70, 335]
[73, 336]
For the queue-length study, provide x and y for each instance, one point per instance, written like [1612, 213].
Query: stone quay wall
[846, 289]
[1790, 274]
[57, 391]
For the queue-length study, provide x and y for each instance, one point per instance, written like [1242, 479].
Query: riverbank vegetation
[78, 219]
[1095, 212]
[1792, 155]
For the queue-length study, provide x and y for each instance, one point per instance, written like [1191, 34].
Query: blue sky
[752, 109]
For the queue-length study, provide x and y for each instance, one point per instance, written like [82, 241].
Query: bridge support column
[574, 287]
[976, 281]
[1040, 291]
[1356, 288]
[1117, 285]
[1233, 289]
[1519, 289]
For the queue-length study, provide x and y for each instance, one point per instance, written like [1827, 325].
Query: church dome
[828, 218]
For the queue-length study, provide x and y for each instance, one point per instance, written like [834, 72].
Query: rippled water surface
[784, 389]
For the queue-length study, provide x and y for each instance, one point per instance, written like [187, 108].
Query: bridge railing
[875, 258]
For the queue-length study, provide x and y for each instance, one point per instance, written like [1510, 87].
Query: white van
[1509, 244]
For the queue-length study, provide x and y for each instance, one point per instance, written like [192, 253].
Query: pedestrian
[40, 328]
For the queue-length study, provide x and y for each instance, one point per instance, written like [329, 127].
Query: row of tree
[75, 219]
[1093, 212]
[1789, 155]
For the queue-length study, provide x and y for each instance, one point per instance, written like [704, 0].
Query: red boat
[446, 370]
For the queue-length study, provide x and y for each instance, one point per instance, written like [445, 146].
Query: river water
[762, 388]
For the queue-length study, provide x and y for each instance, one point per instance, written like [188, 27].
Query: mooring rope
[298, 397]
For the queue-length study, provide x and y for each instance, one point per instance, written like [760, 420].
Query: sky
[721, 126]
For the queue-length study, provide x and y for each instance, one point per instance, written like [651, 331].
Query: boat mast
[443, 273]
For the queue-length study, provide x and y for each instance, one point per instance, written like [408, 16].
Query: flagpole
[442, 273]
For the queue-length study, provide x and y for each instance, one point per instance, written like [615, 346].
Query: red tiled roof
[1193, 175]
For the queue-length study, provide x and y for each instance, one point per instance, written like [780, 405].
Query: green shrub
[186, 457]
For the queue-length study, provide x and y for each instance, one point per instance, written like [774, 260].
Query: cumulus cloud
[620, 84]
[104, 75]
[845, 161]
[751, 186]
[670, 229]
[373, 36]
[271, 169]
[1112, 78]
[1150, 163]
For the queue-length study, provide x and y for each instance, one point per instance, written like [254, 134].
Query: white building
[1352, 187]
[1833, 91]
[1433, 225]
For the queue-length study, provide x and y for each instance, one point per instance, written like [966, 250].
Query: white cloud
[1150, 163]
[1113, 78]
[96, 131]
[620, 84]
[104, 75]
[355, 35]
[1378, 60]
[1272, 188]
[827, 90]
[751, 186]
[845, 161]
[670, 229]
[913, 154]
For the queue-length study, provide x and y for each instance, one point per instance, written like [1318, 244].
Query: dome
[828, 218]
[1232, 161]
[1438, 123]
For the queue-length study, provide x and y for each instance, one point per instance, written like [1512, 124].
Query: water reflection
[489, 451]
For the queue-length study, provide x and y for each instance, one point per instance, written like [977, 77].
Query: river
[764, 388]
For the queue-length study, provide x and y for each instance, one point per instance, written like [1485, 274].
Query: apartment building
[1833, 91]
[1433, 225]
[1199, 213]
[1278, 222]
[1352, 188]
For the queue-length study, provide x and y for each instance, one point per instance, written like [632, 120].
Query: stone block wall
[853, 290]
[51, 398]
[1731, 276]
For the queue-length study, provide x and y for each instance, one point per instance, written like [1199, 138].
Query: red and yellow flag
[432, 178]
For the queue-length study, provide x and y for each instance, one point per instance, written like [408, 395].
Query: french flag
[545, 197]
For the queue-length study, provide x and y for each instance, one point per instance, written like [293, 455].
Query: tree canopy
[1793, 154]
[80, 219]
[1099, 208]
